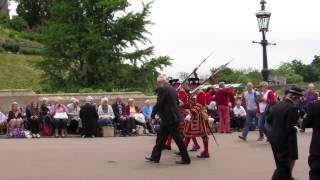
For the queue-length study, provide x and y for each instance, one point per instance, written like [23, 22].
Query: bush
[31, 51]
[1, 49]
[90, 90]
[18, 24]
[11, 46]
[4, 20]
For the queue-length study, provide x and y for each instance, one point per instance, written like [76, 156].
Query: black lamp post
[263, 17]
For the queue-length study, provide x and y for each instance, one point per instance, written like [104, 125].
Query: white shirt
[239, 111]
[109, 114]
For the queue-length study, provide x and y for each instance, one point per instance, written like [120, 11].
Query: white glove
[181, 103]
[188, 117]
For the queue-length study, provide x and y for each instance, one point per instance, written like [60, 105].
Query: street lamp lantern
[263, 17]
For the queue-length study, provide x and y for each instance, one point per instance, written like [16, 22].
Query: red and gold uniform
[198, 126]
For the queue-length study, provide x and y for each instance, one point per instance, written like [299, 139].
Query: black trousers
[162, 138]
[73, 126]
[34, 126]
[126, 125]
[314, 163]
[282, 159]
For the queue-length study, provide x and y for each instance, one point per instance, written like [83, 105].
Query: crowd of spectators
[58, 119]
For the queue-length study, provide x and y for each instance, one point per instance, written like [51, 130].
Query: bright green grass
[18, 72]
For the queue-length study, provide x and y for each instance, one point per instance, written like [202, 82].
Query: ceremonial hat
[193, 81]
[295, 90]
[173, 82]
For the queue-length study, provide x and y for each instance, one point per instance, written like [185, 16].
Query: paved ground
[123, 158]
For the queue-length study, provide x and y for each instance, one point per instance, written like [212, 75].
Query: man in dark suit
[283, 118]
[89, 117]
[313, 121]
[167, 109]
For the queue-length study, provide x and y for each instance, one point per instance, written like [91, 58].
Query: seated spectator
[134, 116]
[33, 118]
[14, 118]
[3, 122]
[60, 117]
[45, 112]
[89, 118]
[74, 116]
[239, 114]
[146, 110]
[105, 113]
[119, 109]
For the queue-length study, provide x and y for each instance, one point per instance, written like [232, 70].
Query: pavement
[122, 158]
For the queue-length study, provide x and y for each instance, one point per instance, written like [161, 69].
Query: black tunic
[313, 121]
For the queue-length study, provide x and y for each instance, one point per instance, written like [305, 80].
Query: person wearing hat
[312, 121]
[283, 119]
[197, 121]
[183, 109]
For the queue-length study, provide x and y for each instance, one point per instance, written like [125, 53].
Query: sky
[188, 30]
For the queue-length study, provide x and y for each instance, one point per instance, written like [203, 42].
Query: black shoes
[195, 148]
[183, 162]
[243, 138]
[149, 159]
[203, 155]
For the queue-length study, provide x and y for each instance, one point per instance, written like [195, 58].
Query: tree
[287, 71]
[33, 11]
[95, 44]
[310, 73]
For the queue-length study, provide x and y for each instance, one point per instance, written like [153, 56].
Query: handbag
[18, 133]
[45, 130]
[60, 115]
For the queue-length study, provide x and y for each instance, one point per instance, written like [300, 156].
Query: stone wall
[24, 97]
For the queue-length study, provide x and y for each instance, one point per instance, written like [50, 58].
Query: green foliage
[11, 46]
[18, 24]
[310, 73]
[87, 45]
[33, 11]
[287, 71]
[4, 19]
[31, 51]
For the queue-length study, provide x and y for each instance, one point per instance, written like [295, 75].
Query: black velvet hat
[173, 82]
[295, 90]
[193, 81]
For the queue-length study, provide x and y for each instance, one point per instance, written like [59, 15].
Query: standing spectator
[283, 118]
[146, 110]
[74, 116]
[60, 117]
[239, 114]
[14, 117]
[89, 117]
[312, 121]
[119, 109]
[309, 97]
[33, 118]
[223, 97]
[266, 100]
[3, 121]
[105, 113]
[250, 104]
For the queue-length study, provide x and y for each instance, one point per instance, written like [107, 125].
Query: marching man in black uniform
[167, 108]
[284, 117]
[313, 121]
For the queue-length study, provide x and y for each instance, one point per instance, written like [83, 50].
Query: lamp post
[263, 17]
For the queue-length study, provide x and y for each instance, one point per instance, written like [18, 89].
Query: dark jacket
[89, 117]
[116, 112]
[284, 116]
[167, 106]
[313, 121]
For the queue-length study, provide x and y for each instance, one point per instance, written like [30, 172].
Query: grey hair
[89, 99]
[162, 77]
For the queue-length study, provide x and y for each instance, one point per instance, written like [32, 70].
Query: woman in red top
[131, 111]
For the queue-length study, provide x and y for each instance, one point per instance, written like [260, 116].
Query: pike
[195, 69]
[219, 69]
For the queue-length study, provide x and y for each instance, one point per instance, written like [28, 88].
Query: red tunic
[199, 125]
[183, 96]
